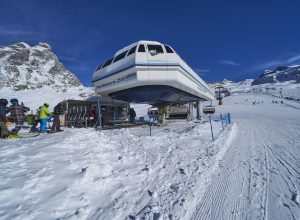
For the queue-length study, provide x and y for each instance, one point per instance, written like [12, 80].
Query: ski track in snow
[259, 176]
[252, 171]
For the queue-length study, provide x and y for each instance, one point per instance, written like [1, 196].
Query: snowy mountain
[233, 86]
[286, 89]
[280, 74]
[34, 75]
[25, 67]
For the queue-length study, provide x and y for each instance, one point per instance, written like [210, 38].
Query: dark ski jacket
[58, 110]
[3, 111]
[132, 113]
[18, 113]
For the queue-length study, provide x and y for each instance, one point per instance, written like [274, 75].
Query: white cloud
[276, 63]
[293, 59]
[13, 30]
[203, 70]
[229, 62]
[270, 64]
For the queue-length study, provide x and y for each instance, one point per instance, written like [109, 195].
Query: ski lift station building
[150, 72]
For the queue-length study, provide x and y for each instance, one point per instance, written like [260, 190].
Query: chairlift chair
[209, 109]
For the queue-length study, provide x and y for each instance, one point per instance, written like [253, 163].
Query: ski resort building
[150, 72]
[85, 113]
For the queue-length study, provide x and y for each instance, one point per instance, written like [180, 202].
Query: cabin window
[99, 67]
[141, 48]
[107, 63]
[131, 51]
[120, 56]
[168, 49]
[155, 48]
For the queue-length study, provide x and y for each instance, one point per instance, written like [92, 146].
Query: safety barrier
[223, 119]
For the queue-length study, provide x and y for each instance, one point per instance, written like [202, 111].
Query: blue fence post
[211, 129]
[150, 125]
[228, 116]
[222, 121]
[226, 121]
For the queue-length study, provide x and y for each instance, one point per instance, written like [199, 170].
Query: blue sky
[219, 39]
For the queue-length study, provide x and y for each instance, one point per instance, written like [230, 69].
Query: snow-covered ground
[112, 174]
[33, 98]
[288, 89]
[259, 176]
[251, 171]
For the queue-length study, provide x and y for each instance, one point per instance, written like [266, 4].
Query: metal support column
[99, 113]
[198, 110]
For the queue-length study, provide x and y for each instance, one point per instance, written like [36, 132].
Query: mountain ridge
[279, 74]
[25, 67]
[34, 75]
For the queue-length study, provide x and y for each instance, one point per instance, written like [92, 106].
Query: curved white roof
[136, 43]
[143, 69]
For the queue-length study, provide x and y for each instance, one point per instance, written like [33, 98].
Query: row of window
[151, 48]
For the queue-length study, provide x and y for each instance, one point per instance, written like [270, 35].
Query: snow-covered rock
[280, 74]
[25, 67]
[233, 86]
[31, 73]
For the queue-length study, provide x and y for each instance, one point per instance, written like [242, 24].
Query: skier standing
[4, 132]
[44, 113]
[58, 110]
[132, 115]
[36, 121]
[18, 114]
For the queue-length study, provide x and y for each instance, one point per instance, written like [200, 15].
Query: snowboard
[29, 135]
[52, 132]
[23, 136]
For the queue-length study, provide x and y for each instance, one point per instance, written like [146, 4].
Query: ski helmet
[3, 102]
[46, 105]
[14, 101]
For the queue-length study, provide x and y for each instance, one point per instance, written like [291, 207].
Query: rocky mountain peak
[26, 67]
[279, 74]
[44, 45]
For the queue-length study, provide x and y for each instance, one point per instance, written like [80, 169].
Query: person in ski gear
[58, 110]
[49, 119]
[92, 116]
[18, 114]
[44, 113]
[36, 121]
[162, 111]
[132, 115]
[4, 132]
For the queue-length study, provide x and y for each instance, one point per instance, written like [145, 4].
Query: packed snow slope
[287, 89]
[259, 176]
[251, 171]
[112, 174]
